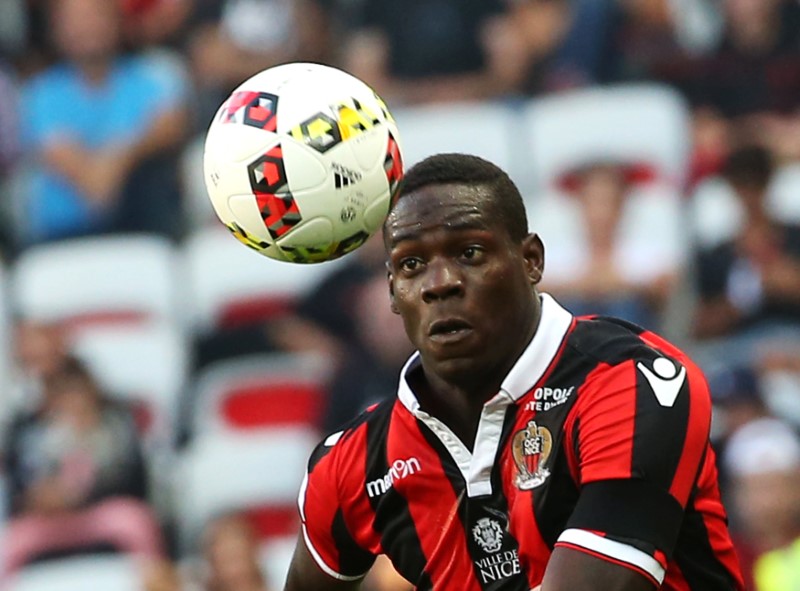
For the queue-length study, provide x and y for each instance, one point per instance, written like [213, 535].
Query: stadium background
[656, 143]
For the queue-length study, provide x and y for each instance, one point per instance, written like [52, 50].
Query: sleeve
[637, 437]
[167, 81]
[322, 514]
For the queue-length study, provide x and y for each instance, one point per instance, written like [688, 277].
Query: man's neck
[95, 71]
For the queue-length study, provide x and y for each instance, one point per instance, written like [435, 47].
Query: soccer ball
[301, 162]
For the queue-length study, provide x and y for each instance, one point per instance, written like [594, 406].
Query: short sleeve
[325, 529]
[637, 438]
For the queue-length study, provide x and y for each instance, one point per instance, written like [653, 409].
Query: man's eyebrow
[415, 233]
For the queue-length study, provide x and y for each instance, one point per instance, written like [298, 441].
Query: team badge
[531, 447]
[488, 533]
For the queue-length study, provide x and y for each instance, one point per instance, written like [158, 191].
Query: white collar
[554, 323]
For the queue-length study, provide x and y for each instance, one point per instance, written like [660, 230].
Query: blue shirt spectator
[59, 104]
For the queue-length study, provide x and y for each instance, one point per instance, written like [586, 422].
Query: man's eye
[409, 264]
[472, 252]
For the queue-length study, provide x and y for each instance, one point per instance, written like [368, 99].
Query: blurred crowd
[103, 103]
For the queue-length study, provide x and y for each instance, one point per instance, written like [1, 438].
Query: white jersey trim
[321, 563]
[613, 549]
[476, 467]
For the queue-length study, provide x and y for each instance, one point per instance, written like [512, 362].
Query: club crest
[488, 533]
[531, 448]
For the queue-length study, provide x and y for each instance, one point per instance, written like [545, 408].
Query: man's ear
[392, 301]
[533, 252]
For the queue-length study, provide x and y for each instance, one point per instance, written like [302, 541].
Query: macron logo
[665, 380]
[400, 469]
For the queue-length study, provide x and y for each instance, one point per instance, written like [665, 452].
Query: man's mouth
[449, 327]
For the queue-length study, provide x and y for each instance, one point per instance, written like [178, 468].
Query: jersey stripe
[394, 521]
[696, 558]
[448, 555]
[671, 424]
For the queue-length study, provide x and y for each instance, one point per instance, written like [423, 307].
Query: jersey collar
[553, 326]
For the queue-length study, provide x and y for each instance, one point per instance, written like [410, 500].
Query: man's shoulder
[612, 341]
[351, 437]
[56, 77]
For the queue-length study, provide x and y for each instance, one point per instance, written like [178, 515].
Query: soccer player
[526, 446]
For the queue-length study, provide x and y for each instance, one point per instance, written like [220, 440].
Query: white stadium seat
[238, 472]
[485, 129]
[643, 124]
[252, 393]
[146, 365]
[230, 283]
[104, 279]
[106, 572]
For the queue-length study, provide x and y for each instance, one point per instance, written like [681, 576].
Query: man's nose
[443, 280]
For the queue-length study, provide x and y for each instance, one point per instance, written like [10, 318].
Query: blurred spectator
[756, 68]
[40, 349]
[232, 40]
[763, 460]
[104, 128]
[429, 50]
[751, 282]
[614, 246]
[736, 394]
[779, 570]
[160, 575]
[369, 372]
[324, 321]
[148, 23]
[77, 475]
[230, 557]
[563, 43]
[746, 89]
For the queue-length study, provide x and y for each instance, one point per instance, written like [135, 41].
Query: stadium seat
[260, 392]
[199, 212]
[119, 279]
[232, 285]
[483, 129]
[146, 365]
[643, 125]
[106, 572]
[258, 473]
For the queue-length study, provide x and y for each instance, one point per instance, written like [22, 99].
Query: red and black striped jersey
[597, 440]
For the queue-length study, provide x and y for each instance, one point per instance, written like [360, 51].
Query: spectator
[422, 51]
[763, 460]
[736, 394]
[104, 128]
[368, 373]
[749, 286]
[614, 245]
[230, 556]
[77, 476]
[746, 89]
[40, 350]
[564, 43]
[232, 40]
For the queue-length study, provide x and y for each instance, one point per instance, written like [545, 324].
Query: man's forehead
[442, 203]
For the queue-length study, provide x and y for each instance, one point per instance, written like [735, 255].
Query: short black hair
[466, 169]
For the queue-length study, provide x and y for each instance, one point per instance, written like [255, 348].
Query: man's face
[86, 30]
[464, 288]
